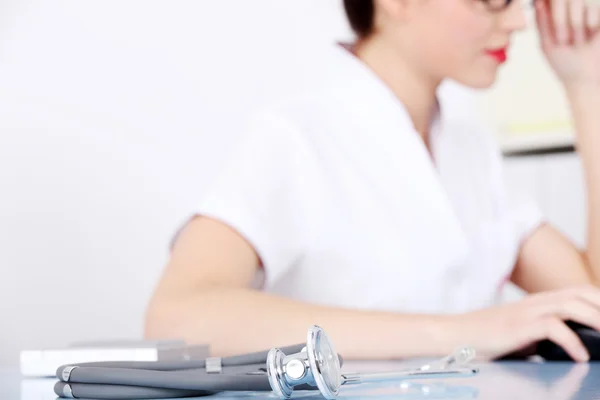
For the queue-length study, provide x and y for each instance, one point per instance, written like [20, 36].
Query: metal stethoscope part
[318, 365]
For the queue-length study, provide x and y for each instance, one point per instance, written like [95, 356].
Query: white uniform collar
[372, 87]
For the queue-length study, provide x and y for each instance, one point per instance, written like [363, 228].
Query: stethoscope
[314, 366]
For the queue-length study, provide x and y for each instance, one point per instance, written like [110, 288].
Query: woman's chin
[479, 79]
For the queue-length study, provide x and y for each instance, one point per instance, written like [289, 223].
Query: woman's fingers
[592, 18]
[579, 311]
[556, 331]
[560, 14]
[544, 24]
[576, 16]
[566, 21]
[588, 293]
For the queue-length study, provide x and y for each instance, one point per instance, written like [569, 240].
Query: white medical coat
[345, 206]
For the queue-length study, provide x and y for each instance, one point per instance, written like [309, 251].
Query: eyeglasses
[501, 5]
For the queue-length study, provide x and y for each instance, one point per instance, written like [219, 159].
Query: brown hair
[361, 16]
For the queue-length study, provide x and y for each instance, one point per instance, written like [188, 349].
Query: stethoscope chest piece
[316, 365]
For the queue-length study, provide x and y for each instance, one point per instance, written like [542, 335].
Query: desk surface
[496, 381]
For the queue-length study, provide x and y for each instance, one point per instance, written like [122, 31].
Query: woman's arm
[205, 297]
[548, 260]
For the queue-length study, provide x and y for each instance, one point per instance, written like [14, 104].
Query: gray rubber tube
[113, 392]
[188, 380]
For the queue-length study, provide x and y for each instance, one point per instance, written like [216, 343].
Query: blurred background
[114, 114]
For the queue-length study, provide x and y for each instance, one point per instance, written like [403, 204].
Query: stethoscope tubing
[188, 380]
[113, 392]
[165, 379]
[108, 383]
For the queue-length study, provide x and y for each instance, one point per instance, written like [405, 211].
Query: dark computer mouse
[590, 337]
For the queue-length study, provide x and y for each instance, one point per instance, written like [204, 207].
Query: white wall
[112, 117]
[556, 181]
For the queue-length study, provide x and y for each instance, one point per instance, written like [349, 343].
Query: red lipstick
[498, 54]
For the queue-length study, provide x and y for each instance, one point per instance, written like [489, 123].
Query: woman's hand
[569, 32]
[509, 328]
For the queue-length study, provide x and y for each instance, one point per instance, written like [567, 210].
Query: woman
[366, 210]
